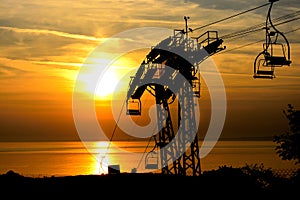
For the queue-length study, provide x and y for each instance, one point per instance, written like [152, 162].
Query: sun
[107, 84]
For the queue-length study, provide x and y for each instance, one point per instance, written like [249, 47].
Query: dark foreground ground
[226, 182]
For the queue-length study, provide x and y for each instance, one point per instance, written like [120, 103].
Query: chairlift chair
[151, 160]
[261, 69]
[276, 57]
[133, 107]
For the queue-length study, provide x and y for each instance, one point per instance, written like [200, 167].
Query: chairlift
[274, 54]
[133, 107]
[277, 57]
[151, 160]
[261, 69]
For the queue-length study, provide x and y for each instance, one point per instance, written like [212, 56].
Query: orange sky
[43, 45]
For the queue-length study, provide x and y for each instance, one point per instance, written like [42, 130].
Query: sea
[41, 159]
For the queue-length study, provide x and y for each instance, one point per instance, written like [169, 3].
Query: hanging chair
[275, 53]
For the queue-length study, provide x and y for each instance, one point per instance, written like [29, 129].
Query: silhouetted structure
[170, 71]
[113, 169]
[160, 74]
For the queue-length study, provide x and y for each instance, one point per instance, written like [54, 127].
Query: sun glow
[107, 84]
[102, 77]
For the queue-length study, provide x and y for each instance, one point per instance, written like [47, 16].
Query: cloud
[8, 71]
[44, 45]
[48, 40]
[239, 5]
[64, 65]
[57, 33]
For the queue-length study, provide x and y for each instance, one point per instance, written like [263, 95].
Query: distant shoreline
[267, 138]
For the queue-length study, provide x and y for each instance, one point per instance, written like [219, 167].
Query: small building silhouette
[113, 169]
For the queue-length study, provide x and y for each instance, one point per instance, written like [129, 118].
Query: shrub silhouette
[288, 143]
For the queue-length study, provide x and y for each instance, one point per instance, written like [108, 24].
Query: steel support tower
[183, 55]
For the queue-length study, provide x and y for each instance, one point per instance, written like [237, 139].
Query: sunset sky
[43, 45]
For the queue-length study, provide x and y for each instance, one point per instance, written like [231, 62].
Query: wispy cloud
[9, 71]
[52, 32]
[65, 64]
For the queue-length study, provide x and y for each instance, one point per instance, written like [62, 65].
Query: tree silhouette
[288, 143]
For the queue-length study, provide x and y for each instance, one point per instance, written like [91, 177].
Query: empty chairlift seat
[151, 160]
[277, 61]
[261, 69]
[264, 74]
[133, 107]
[275, 56]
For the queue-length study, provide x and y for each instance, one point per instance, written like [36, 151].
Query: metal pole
[186, 25]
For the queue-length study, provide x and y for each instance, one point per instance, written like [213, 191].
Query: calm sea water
[74, 158]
